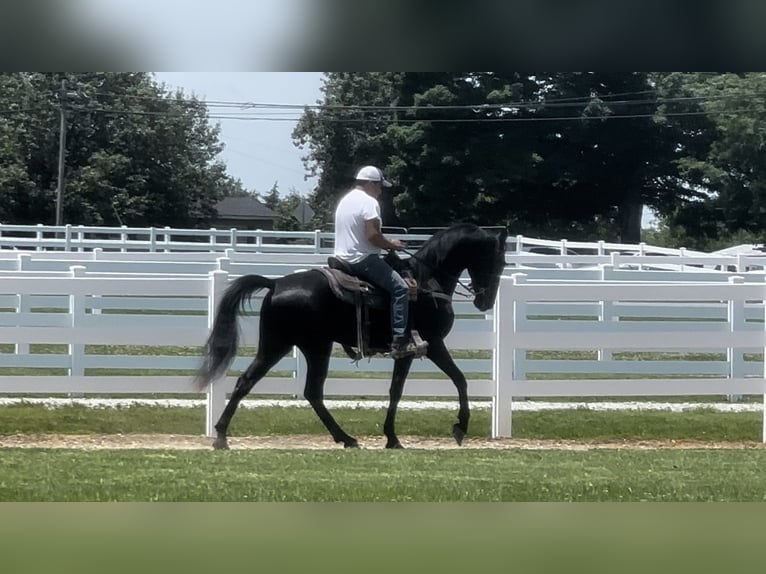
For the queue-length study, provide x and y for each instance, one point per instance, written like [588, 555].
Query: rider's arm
[376, 237]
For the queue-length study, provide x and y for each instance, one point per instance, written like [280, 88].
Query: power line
[261, 116]
[489, 119]
[277, 112]
[609, 99]
[543, 102]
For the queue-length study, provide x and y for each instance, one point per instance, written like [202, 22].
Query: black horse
[301, 310]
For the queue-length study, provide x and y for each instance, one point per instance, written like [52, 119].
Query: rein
[469, 290]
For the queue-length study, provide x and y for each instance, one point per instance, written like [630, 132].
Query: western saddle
[365, 296]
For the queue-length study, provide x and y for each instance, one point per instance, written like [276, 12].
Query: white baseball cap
[372, 173]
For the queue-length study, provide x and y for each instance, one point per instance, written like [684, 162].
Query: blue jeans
[373, 269]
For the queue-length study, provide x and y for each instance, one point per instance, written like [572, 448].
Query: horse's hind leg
[317, 363]
[264, 361]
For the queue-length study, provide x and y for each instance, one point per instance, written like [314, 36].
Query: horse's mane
[439, 244]
[433, 252]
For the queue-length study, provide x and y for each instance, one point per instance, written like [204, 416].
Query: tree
[608, 156]
[285, 208]
[550, 154]
[24, 167]
[136, 154]
[271, 199]
[452, 160]
[724, 173]
[348, 131]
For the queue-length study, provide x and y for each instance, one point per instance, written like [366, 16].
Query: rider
[358, 241]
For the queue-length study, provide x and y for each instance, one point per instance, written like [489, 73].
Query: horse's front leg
[439, 355]
[401, 369]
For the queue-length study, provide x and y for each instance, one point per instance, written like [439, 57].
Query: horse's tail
[221, 346]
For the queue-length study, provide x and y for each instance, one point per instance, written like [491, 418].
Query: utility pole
[62, 153]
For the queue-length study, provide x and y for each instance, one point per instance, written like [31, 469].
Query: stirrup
[421, 347]
[415, 347]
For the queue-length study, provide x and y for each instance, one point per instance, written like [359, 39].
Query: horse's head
[463, 246]
[485, 269]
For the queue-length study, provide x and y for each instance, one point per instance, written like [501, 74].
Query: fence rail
[523, 329]
[521, 251]
[99, 321]
[83, 333]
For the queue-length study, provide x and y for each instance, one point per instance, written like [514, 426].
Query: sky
[259, 152]
[228, 34]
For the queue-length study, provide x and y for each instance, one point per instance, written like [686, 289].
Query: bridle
[468, 289]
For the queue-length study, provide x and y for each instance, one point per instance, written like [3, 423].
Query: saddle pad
[348, 289]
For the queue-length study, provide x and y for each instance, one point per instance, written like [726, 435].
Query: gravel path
[404, 405]
[319, 442]
[312, 442]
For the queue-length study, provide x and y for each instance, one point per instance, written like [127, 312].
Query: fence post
[216, 393]
[741, 263]
[224, 263]
[80, 239]
[763, 412]
[24, 306]
[503, 358]
[77, 308]
[299, 374]
[258, 240]
[39, 236]
[123, 239]
[24, 261]
[212, 239]
[606, 311]
[68, 237]
[736, 319]
[519, 316]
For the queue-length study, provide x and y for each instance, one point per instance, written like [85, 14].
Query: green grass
[579, 424]
[376, 475]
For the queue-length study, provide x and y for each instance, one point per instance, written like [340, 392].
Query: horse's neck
[446, 272]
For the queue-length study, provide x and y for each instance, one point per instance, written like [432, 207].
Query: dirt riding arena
[295, 442]
[323, 442]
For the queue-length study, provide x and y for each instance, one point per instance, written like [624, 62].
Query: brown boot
[406, 347]
[402, 347]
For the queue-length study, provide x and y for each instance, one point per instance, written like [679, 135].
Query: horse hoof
[396, 444]
[351, 444]
[459, 434]
[221, 444]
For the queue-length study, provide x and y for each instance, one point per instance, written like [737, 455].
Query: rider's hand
[398, 245]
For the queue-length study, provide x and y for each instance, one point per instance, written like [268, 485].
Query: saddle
[364, 296]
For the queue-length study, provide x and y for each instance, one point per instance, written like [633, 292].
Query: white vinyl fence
[614, 328]
[76, 332]
[196, 244]
[122, 321]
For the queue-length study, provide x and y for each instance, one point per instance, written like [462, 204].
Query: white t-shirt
[354, 209]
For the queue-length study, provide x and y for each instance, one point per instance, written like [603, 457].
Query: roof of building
[243, 208]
